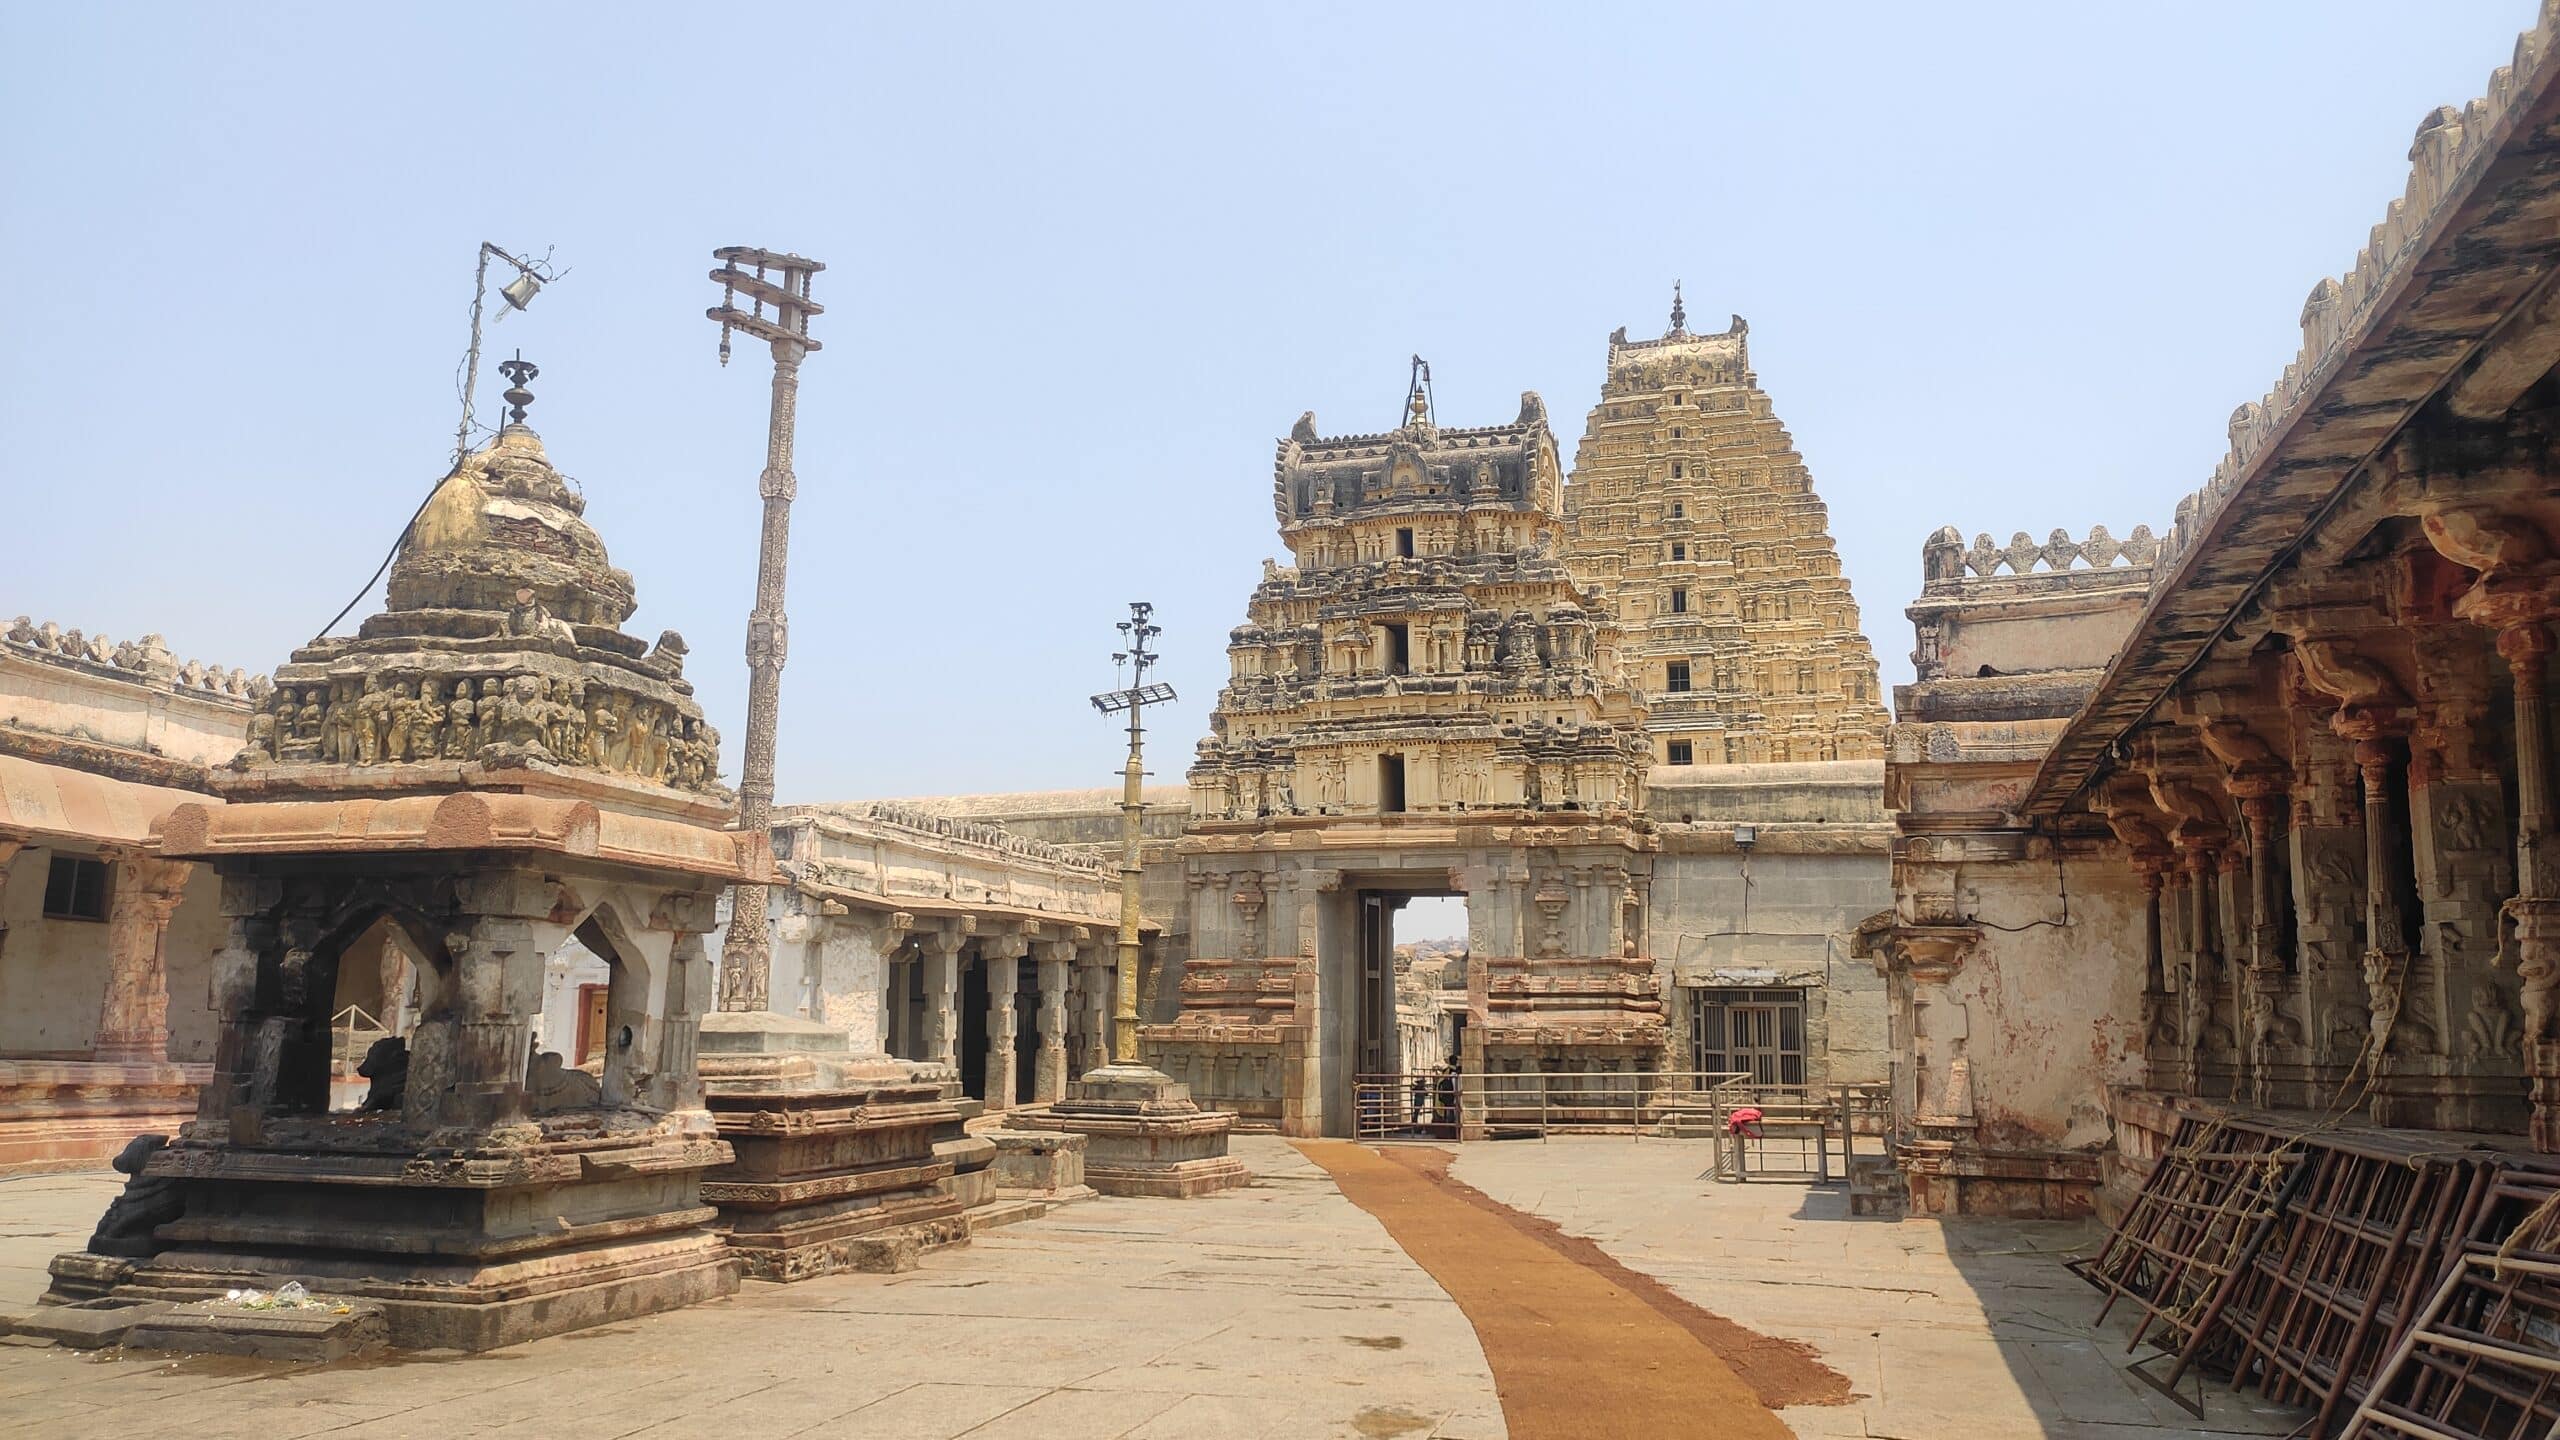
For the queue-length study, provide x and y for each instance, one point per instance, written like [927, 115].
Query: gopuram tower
[1427, 703]
[1691, 509]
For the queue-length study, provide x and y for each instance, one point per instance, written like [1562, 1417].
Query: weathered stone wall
[53, 973]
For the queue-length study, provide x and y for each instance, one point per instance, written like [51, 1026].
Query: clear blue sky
[2006, 267]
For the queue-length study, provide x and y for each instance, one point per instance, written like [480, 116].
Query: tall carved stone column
[1049, 1072]
[133, 1016]
[2459, 1010]
[746, 955]
[1002, 955]
[942, 993]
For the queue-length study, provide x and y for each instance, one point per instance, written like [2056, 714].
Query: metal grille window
[1759, 1033]
[75, 889]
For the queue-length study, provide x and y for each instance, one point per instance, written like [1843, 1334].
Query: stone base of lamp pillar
[1144, 1135]
[837, 1164]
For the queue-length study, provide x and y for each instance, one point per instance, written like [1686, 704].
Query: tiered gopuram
[1691, 509]
[1428, 702]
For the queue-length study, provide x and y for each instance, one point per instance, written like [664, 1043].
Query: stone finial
[1679, 312]
[518, 372]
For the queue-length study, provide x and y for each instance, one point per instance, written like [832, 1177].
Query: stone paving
[1966, 1330]
[1281, 1310]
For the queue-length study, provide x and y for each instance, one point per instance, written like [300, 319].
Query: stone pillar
[2458, 1011]
[2386, 949]
[854, 957]
[2325, 850]
[2199, 989]
[2526, 647]
[1002, 955]
[2263, 992]
[1093, 963]
[1049, 1076]
[2159, 1003]
[942, 994]
[133, 1015]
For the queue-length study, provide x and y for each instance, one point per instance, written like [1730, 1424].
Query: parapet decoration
[147, 660]
[943, 827]
[2447, 142]
[1944, 556]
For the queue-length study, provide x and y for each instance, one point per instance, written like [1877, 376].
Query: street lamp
[764, 278]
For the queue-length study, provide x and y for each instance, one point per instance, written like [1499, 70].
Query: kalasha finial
[1679, 312]
[518, 371]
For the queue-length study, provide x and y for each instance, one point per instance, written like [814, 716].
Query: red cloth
[1745, 1120]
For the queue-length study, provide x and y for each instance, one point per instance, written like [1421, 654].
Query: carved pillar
[2386, 948]
[2455, 997]
[2263, 993]
[1002, 955]
[2199, 990]
[133, 1015]
[2159, 1003]
[1049, 1071]
[2326, 852]
[941, 1039]
[2527, 647]
[1093, 965]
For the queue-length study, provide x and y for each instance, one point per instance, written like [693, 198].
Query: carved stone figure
[386, 1064]
[147, 1202]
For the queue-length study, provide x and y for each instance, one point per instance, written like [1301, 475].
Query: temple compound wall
[2284, 843]
[1692, 512]
[104, 949]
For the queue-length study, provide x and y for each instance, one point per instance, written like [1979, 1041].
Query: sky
[2007, 267]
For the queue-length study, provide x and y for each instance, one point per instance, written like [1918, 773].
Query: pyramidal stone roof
[498, 662]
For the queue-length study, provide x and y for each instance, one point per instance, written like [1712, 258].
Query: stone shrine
[487, 769]
[1692, 511]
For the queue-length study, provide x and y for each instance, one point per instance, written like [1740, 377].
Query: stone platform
[1144, 1135]
[469, 1250]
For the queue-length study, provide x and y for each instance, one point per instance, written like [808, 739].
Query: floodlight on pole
[1134, 698]
[531, 276]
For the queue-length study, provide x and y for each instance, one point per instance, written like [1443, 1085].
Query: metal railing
[1507, 1104]
[1804, 1122]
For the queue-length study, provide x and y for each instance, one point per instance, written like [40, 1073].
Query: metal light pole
[531, 276]
[746, 957]
[1134, 699]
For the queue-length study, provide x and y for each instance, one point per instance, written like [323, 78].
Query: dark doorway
[973, 1028]
[1399, 649]
[1376, 1054]
[1391, 784]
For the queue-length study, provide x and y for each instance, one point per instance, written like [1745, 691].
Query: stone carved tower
[1429, 651]
[1428, 702]
[1691, 509]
